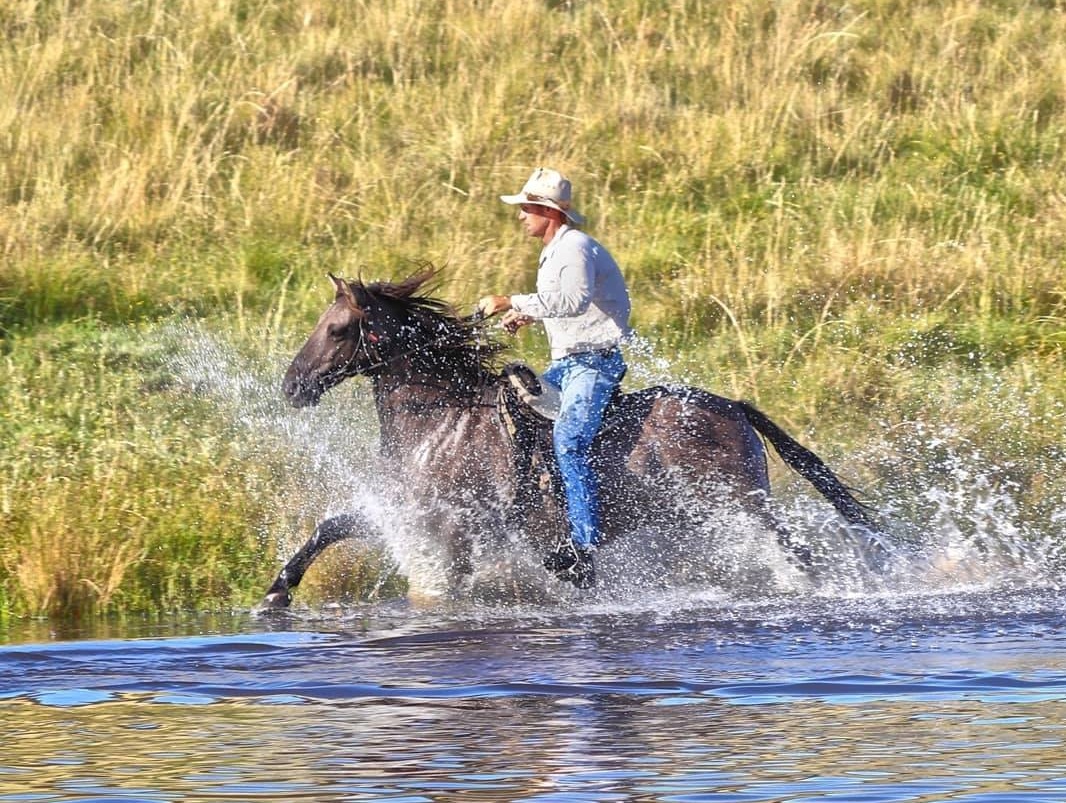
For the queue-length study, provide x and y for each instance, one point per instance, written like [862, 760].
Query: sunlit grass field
[853, 214]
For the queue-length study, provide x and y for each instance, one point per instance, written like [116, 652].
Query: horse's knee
[336, 528]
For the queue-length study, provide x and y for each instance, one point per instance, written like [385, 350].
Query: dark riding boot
[572, 564]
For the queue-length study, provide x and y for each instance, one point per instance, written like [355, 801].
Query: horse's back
[685, 433]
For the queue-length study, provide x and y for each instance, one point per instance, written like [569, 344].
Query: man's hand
[490, 305]
[513, 321]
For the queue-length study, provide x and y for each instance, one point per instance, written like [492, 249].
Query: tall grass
[116, 495]
[846, 211]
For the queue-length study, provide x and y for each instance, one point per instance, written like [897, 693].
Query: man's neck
[552, 230]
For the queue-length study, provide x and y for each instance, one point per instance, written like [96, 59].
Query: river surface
[678, 696]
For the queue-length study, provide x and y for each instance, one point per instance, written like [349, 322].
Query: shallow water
[958, 696]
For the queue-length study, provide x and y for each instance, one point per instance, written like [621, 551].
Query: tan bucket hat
[547, 188]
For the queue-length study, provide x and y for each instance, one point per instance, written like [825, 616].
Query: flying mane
[437, 340]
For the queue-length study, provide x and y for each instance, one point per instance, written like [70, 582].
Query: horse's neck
[410, 389]
[416, 411]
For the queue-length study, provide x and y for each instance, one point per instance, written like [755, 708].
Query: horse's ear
[341, 286]
[344, 290]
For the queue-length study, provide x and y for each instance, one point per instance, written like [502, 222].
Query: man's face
[535, 219]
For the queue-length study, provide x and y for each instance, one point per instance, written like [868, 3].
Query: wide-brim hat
[547, 188]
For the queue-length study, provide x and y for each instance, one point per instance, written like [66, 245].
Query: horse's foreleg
[327, 533]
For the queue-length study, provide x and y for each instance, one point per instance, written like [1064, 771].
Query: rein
[368, 336]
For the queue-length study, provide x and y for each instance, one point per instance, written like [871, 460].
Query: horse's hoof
[561, 559]
[276, 601]
[802, 559]
[583, 575]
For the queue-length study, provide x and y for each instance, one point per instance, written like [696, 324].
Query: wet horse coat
[471, 464]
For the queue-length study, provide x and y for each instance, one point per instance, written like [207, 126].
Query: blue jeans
[585, 383]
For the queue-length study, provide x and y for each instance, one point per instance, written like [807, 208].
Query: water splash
[968, 518]
[327, 451]
[956, 523]
[646, 365]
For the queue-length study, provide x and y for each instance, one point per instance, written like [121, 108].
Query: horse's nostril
[294, 383]
[292, 388]
[301, 392]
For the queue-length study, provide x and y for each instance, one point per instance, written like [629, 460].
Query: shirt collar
[554, 241]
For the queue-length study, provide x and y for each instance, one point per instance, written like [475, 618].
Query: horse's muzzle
[300, 392]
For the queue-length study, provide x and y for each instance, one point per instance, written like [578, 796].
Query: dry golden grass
[845, 211]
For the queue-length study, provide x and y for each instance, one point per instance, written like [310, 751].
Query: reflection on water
[605, 748]
[959, 697]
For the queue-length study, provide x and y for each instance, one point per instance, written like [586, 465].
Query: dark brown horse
[474, 464]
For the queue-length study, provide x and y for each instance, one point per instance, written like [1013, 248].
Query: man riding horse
[670, 460]
[583, 302]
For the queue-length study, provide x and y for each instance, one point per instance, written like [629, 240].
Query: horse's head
[340, 346]
[390, 329]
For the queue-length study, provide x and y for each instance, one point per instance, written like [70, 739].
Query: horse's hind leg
[327, 533]
[801, 553]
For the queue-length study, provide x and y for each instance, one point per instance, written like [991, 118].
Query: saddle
[542, 400]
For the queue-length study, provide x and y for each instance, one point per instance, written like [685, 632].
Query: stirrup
[541, 397]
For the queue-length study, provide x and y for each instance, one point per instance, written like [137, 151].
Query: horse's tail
[809, 466]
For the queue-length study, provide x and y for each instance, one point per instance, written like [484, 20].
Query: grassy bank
[853, 214]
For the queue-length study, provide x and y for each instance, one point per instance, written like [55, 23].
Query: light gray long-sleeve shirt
[581, 295]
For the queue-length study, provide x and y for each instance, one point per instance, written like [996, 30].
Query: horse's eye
[337, 331]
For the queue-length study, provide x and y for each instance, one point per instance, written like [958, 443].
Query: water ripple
[750, 656]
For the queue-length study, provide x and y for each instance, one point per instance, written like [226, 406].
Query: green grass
[854, 214]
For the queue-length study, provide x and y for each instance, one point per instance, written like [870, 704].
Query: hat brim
[516, 200]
